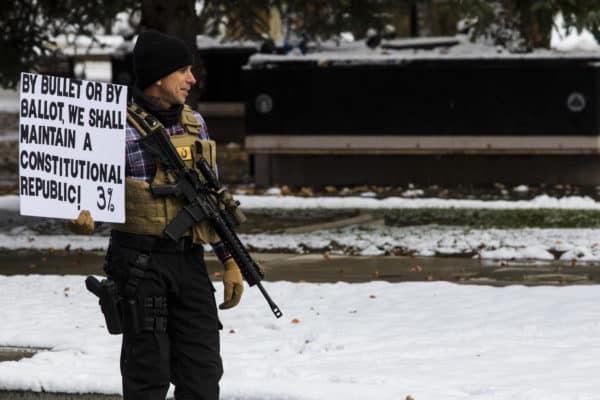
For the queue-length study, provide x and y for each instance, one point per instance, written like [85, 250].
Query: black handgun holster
[110, 302]
[128, 312]
[139, 312]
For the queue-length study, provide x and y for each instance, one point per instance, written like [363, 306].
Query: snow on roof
[400, 51]
[206, 42]
[80, 44]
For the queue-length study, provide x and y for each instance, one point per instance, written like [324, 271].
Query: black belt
[148, 243]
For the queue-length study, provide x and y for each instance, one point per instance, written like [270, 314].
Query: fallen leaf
[286, 191]
[306, 192]
[372, 296]
[232, 331]
[295, 321]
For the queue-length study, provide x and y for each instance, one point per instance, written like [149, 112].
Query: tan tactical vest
[148, 215]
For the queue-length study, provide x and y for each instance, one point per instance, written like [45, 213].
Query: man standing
[170, 322]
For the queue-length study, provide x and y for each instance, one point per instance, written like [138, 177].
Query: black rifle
[201, 201]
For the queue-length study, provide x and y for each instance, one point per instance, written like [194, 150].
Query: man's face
[175, 87]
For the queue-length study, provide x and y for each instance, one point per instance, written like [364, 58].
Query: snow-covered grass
[350, 341]
[428, 240]
[431, 240]
[275, 201]
[535, 243]
[360, 202]
[9, 203]
[9, 101]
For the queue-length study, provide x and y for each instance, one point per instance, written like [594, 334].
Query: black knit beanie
[156, 55]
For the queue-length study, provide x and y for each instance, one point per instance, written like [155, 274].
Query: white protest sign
[72, 148]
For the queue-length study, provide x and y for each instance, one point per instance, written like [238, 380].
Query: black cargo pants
[175, 335]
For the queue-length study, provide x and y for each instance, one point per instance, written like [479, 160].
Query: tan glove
[233, 284]
[83, 225]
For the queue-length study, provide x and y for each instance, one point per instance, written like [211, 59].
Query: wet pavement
[333, 268]
[13, 395]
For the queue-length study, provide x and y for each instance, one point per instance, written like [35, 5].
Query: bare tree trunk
[177, 18]
[535, 28]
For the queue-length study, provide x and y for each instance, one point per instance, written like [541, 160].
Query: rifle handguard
[203, 203]
[231, 206]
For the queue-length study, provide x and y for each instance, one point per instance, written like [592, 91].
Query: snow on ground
[9, 100]
[294, 202]
[429, 240]
[9, 202]
[351, 341]
[365, 202]
[9, 137]
[432, 240]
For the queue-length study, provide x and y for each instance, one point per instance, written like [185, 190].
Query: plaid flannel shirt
[140, 165]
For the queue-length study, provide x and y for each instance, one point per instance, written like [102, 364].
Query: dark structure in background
[222, 98]
[393, 119]
[122, 68]
[513, 119]
[223, 65]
